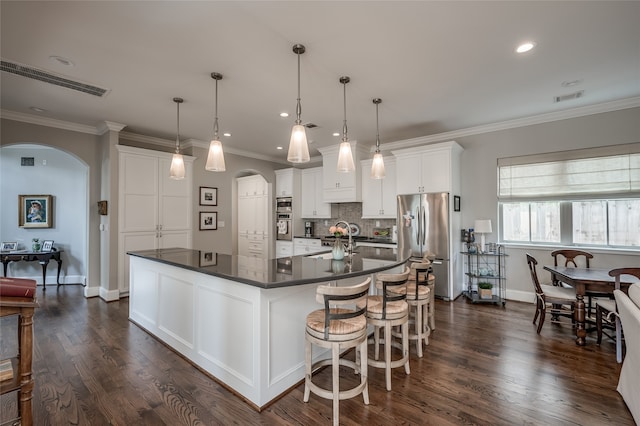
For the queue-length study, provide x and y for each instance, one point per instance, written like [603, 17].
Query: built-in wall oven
[284, 204]
[284, 227]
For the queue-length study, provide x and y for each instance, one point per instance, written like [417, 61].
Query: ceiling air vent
[51, 78]
[568, 97]
[310, 125]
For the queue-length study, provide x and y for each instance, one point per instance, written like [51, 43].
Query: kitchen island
[240, 319]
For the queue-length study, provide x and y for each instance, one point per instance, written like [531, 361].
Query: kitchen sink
[328, 255]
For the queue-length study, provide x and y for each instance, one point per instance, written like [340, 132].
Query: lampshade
[377, 165]
[176, 171]
[215, 157]
[482, 226]
[298, 147]
[345, 157]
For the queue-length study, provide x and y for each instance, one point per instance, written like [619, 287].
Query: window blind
[610, 174]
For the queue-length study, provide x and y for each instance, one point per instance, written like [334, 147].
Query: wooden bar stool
[341, 325]
[419, 297]
[390, 309]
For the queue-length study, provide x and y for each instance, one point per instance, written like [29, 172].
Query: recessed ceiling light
[335, 134]
[284, 114]
[63, 61]
[36, 109]
[227, 134]
[279, 147]
[525, 47]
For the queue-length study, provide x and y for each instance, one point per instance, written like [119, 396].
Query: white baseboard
[521, 296]
[109, 295]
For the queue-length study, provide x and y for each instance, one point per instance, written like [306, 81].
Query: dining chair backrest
[623, 271]
[420, 272]
[570, 257]
[532, 262]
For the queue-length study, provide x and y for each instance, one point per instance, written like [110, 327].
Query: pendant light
[377, 166]
[215, 158]
[177, 162]
[345, 158]
[298, 148]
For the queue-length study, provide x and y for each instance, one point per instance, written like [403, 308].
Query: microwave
[284, 204]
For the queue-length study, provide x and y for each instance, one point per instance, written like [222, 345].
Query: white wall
[479, 181]
[65, 178]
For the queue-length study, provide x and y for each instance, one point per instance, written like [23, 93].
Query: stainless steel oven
[284, 227]
[284, 205]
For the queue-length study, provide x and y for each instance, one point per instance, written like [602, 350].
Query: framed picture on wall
[208, 221]
[208, 196]
[35, 211]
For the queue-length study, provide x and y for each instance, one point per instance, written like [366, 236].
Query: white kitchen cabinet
[154, 211]
[253, 216]
[379, 199]
[313, 206]
[287, 183]
[307, 246]
[341, 187]
[430, 168]
[284, 249]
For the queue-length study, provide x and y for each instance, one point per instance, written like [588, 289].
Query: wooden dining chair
[606, 311]
[576, 258]
[550, 297]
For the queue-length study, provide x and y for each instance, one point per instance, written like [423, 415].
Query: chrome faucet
[350, 243]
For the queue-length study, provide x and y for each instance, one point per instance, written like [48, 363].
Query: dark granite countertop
[357, 239]
[274, 273]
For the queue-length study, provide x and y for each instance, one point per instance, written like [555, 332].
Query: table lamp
[482, 226]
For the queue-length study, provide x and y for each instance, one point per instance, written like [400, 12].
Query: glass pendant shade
[298, 148]
[345, 158]
[176, 171]
[215, 158]
[377, 166]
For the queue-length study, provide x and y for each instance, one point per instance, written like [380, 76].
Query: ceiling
[437, 66]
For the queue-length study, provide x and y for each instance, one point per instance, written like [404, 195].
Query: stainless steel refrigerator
[423, 225]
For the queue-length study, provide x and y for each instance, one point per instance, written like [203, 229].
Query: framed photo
[456, 203]
[208, 196]
[208, 258]
[47, 245]
[35, 211]
[12, 246]
[208, 221]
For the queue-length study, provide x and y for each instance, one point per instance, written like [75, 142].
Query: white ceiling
[438, 66]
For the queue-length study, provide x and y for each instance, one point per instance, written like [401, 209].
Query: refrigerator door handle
[419, 227]
[424, 227]
[437, 262]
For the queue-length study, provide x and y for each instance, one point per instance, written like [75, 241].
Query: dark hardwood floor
[484, 365]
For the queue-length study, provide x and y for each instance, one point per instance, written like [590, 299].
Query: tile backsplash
[351, 213]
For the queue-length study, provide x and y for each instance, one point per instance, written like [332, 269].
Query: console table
[27, 256]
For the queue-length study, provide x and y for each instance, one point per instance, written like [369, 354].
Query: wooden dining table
[585, 280]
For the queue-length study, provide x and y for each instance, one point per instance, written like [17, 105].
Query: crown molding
[512, 124]
[48, 122]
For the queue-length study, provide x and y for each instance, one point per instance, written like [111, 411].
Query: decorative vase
[35, 247]
[337, 266]
[338, 250]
